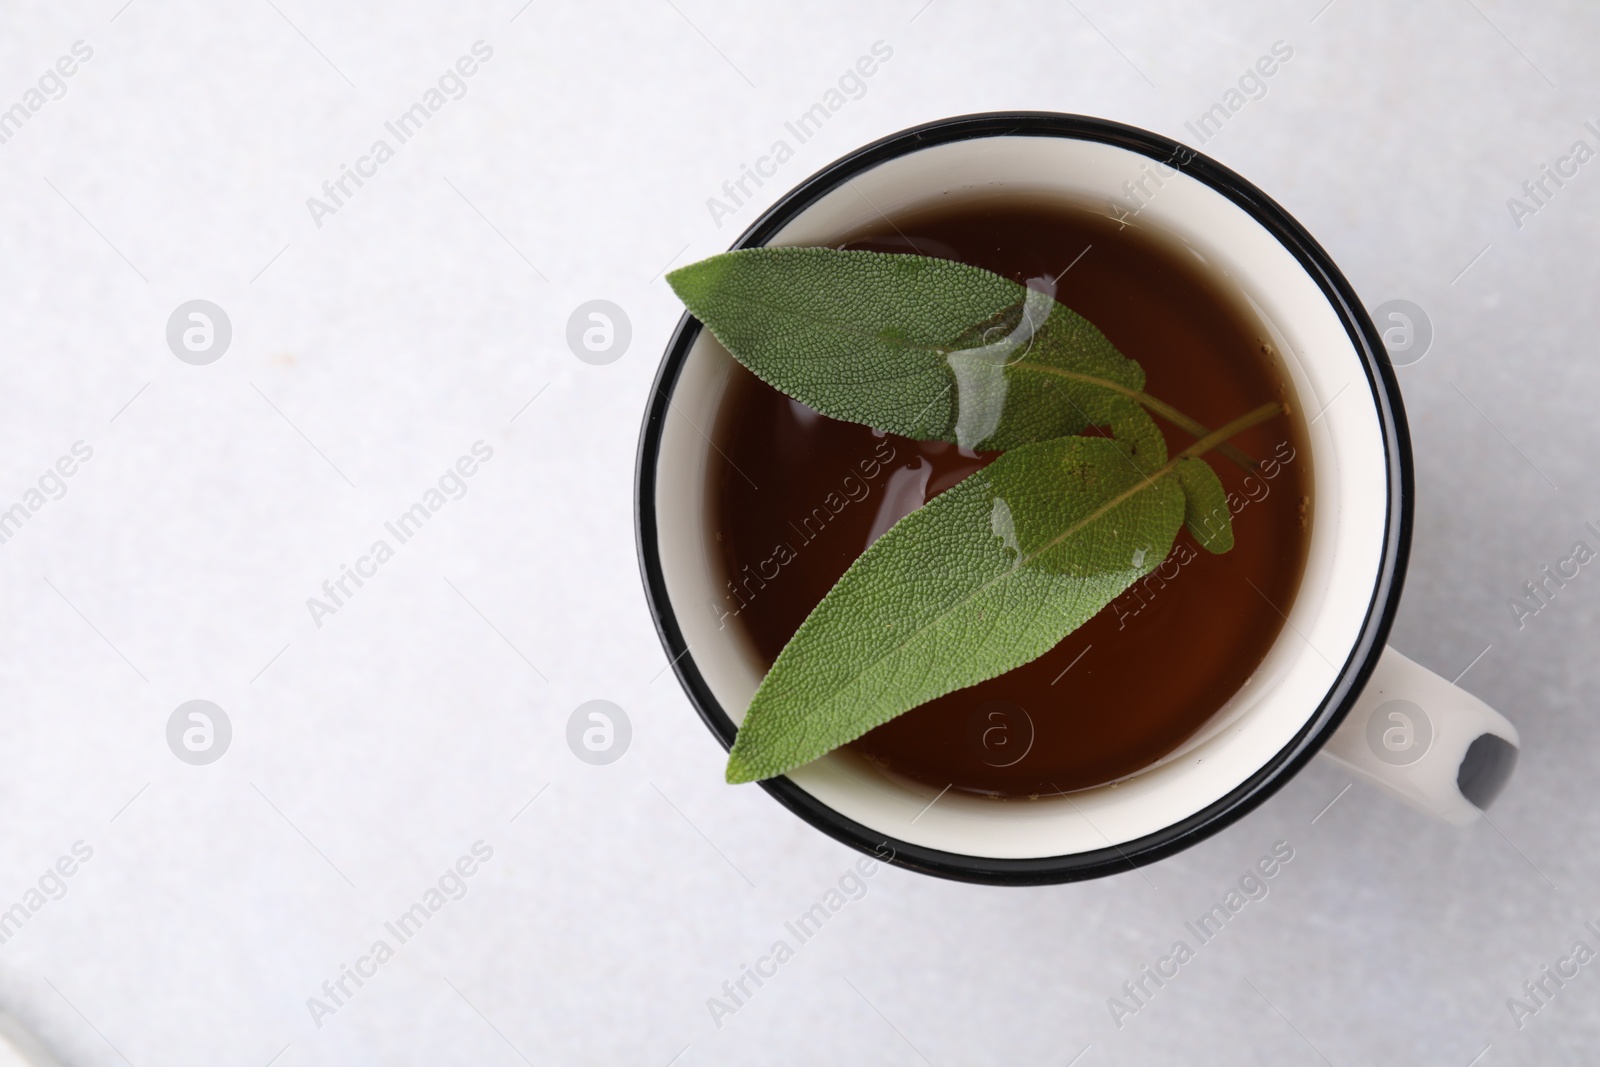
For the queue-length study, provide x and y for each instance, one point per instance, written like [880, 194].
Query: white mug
[1329, 682]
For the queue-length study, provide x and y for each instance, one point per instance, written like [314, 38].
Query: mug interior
[1350, 479]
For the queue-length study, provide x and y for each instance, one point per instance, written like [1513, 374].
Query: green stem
[1216, 438]
[1156, 406]
[1185, 423]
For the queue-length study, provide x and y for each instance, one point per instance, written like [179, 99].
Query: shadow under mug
[1329, 682]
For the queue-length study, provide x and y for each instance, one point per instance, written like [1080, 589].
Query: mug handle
[1418, 737]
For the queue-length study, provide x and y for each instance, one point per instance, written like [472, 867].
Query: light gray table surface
[373, 346]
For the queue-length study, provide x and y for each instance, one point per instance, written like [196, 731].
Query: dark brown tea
[800, 496]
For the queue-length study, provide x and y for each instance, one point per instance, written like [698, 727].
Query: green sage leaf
[925, 348]
[1205, 511]
[985, 577]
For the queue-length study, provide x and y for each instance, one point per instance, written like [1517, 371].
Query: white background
[369, 353]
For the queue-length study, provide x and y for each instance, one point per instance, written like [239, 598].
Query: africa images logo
[1399, 732]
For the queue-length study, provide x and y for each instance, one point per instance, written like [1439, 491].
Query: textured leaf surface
[925, 348]
[985, 577]
[1205, 511]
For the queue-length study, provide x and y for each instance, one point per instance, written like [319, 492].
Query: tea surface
[800, 496]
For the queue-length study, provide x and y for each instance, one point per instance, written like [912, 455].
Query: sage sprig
[995, 571]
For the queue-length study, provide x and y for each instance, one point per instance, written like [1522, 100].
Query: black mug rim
[1353, 674]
